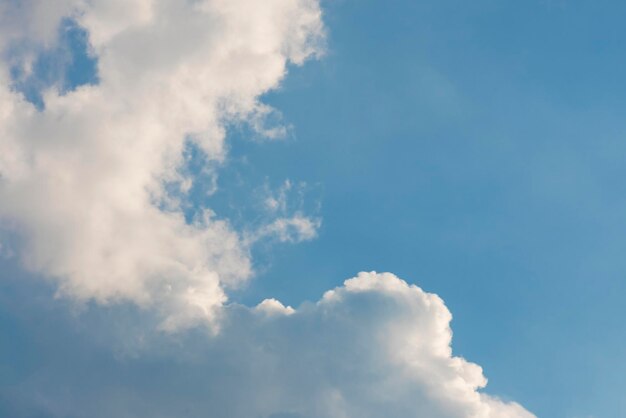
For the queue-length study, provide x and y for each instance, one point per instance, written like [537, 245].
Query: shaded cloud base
[373, 347]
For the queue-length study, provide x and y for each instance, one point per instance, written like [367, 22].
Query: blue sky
[476, 149]
[472, 148]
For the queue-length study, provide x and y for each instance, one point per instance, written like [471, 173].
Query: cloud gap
[68, 65]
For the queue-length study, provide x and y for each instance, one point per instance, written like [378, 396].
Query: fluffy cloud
[90, 190]
[85, 182]
[373, 347]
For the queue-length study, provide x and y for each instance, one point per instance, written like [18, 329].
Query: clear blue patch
[67, 66]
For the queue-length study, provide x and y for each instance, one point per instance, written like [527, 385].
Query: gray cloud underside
[375, 347]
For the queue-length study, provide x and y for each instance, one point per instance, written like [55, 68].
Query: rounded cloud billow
[374, 347]
[86, 181]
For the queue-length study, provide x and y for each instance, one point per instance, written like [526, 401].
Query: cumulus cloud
[83, 179]
[374, 347]
[86, 182]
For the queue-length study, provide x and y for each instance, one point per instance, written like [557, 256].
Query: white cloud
[374, 347]
[289, 224]
[293, 229]
[32, 21]
[82, 186]
[82, 182]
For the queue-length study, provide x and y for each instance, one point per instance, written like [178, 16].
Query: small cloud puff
[273, 307]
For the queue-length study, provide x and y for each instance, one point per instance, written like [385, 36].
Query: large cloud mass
[374, 347]
[84, 182]
[91, 187]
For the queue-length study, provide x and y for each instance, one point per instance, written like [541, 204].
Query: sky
[190, 193]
